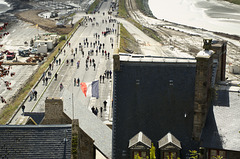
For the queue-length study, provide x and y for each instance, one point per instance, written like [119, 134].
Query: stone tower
[203, 87]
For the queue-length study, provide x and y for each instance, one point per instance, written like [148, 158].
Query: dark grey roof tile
[45, 141]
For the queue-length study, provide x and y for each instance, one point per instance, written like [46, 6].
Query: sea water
[213, 15]
[4, 6]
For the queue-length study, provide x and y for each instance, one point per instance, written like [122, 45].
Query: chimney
[220, 49]
[54, 112]
[202, 98]
[116, 63]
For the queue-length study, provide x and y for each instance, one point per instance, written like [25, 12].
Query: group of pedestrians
[76, 81]
[95, 111]
[91, 63]
[107, 74]
[32, 95]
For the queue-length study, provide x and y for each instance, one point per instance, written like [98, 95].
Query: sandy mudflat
[46, 24]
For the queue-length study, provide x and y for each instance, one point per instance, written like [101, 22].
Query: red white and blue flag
[90, 89]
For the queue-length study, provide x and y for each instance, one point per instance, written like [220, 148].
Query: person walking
[78, 64]
[94, 66]
[23, 108]
[96, 111]
[93, 109]
[46, 81]
[103, 78]
[35, 94]
[61, 86]
[105, 105]
[110, 73]
[59, 60]
[43, 79]
[107, 74]
[56, 76]
[78, 81]
[31, 96]
[49, 74]
[100, 78]
[101, 110]
[43, 75]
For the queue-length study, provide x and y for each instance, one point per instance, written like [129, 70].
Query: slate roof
[140, 138]
[91, 125]
[222, 125]
[35, 142]
[36, 116]
[169, 139]
[153, 97]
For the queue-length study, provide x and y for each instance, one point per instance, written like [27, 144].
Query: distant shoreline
[234, 1]
[228, 35]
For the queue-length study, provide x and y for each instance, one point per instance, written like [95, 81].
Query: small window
[223, 154]
[169, 155]
[214, 153]
[170, 82]
[144, 155]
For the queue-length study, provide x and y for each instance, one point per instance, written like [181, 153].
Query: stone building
[157, 95]
[56, 136]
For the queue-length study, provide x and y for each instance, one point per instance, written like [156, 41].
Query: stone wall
[202, 99]
[220, 49]
[116, 63]
[54, 112]
[82, 144]
[215, 52]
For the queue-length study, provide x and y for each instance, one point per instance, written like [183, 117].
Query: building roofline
[37, 126]
[124, 57]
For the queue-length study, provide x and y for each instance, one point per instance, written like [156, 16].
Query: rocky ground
[187, 39]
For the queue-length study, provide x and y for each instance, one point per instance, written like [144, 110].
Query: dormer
[169, 146]
[139, 145]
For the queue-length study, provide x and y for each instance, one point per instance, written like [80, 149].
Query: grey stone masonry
[54, 112]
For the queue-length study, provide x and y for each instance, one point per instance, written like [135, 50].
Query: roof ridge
[140, 136]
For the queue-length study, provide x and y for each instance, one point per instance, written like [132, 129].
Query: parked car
[24, 53]
[33, 51]
[10, 55]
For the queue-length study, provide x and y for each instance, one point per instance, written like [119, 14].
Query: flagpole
[72, 103]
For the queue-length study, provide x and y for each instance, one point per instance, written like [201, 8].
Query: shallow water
[4, 6]
[212, 15]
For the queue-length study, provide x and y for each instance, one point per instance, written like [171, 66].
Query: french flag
[90, 89]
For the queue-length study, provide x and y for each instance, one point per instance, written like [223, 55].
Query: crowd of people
[90, 50]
